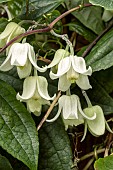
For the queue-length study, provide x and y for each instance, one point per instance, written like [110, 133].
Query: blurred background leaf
[108, 5]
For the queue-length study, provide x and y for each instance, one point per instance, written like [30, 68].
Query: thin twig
[68, 12]
[47, 29]
[89, 163]
[49, 111]
[108, 144]
[91, 154]
[96, 40]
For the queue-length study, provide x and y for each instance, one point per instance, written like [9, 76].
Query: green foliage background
[18, 135]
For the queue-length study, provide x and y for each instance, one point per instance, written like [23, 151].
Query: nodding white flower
[12, 30]
[35, 94]
[70, 108]
[71, 69]
[22, 56]
[96, 126]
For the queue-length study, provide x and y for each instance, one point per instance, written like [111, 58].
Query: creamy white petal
[42, 86]
[29, 88]
[15, 32]
[32, 59]
[85, 131]
[83, 82]
[108, 127]
[56, 116]
[72, 122]
[66, 104]
[6, 65]
[60, 53]
[96, 126]
[34, 106]
[19, 54]
[83, 114]
[74, 110]
[63, 67]
[53, 76]
[44, 101]
[72, 74]
[79, 65]
[64, 83]
[9, 28]
[61, 103]
[24, 71]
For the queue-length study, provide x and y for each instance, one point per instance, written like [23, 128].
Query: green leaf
[107, 4]
[12, 79]
[4, 163]
[105, 78]
[104, 163]
[55, 151]
[99, 96]
[91, 17]
[37, 8]
[15, 7]
[11, 76]
[1, 1]
[100, 56]
[18, 135]
[3, 23]
[82, 30]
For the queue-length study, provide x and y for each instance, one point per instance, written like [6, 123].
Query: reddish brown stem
[47, 29]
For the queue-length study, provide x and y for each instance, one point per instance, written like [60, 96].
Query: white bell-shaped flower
[97, 126]
[22, 56]
[71, 69]
[12, 30]
[70, 108]
[35, 94]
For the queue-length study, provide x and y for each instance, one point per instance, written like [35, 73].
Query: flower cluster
[67, 68]
[22, 55]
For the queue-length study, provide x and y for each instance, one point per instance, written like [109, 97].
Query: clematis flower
[22, 56]
[35, 94]
[96, 126]
[71, 69]
[71, 110]
[12, 30]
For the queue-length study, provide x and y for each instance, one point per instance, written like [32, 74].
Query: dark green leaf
[37, 8]
[55, 151]
[99, 96]
[105, 78]
[103, 3]
[4, 163]
[90, 16]
[15, 7]
[101, 56]
[11, 78]
[3, 23]
[82, 30]
[104, 163]
[18, 134]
